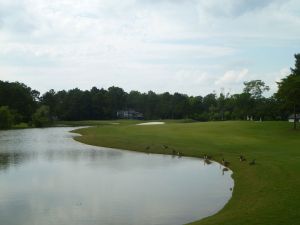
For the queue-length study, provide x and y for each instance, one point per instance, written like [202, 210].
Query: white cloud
[275, 77]
[282, 74]
[141, 44]
[232, 77]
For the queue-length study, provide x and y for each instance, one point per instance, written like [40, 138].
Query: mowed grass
[267, 193]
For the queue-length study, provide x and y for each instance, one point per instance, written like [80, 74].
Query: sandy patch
[150, 123]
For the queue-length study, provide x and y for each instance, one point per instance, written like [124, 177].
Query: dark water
[48, 178]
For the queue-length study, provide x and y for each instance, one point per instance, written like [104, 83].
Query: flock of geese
[207, 158]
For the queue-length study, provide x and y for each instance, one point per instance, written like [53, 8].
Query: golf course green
[266, 193]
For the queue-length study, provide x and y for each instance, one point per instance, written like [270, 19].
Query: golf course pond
[48, 178]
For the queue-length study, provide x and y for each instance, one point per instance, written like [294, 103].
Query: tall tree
[289, 89]
[117, 100]
[255, 88]
[21, 100]
[50, 99]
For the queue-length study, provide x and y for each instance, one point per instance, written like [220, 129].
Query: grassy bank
[20, 126]
[266, 193]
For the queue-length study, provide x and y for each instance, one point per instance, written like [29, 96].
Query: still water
[47, 178]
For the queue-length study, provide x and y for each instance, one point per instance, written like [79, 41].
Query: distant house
[292, 118]
[130, 114]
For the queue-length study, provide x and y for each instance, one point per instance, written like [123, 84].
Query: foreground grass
[267, 193]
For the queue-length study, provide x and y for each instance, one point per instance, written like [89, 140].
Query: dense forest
[19, 103]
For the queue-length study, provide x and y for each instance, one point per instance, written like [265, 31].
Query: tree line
[20, 103]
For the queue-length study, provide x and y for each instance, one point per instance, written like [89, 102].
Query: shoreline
[157, 153]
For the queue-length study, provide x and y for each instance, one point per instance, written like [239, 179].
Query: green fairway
[267, 193]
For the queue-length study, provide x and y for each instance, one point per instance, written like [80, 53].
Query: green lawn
[267, 193]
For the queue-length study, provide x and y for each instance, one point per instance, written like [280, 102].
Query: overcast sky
[187, 46]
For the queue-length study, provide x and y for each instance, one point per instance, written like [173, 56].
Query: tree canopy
[97, 104]
[289, 90]
[255, 88]
[21, 100]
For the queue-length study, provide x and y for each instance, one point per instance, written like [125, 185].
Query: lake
[47, 178]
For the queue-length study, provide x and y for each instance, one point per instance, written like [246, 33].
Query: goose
[242, 158]
[179, 154]
[224, 170]
[252, 162]
[207, 161]
[225, 163]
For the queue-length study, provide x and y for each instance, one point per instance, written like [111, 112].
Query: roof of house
[129, 111]
[293, 116]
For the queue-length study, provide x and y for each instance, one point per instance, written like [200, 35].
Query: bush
[41, 118]
[6, 118]
[188, 120]
[203, 117]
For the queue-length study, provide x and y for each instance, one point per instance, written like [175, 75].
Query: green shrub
[6, 118]
[41, 118]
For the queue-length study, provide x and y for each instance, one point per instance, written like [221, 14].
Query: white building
[292, 118]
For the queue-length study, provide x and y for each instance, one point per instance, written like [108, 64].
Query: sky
[194, 47]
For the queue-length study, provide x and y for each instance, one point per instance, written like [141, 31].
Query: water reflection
[8, 159]
[48, 178]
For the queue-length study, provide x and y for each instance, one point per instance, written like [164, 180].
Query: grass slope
[267, 193]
